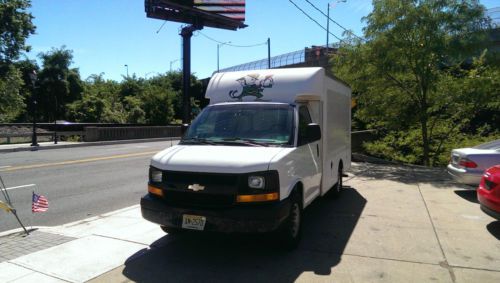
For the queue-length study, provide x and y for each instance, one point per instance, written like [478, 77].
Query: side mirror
[313, 132]
[184, 128]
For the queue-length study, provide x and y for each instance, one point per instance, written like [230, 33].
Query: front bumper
[490, 203]
[491, 212]
[251, 218]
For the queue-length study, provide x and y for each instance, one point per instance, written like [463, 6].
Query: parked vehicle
[269, 143]
[467, 165]
[488, 192]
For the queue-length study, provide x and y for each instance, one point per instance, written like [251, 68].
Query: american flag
[39, 203]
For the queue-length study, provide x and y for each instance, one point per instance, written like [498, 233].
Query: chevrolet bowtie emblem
[196, 187]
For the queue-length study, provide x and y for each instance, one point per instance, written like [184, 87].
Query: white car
[467, 165]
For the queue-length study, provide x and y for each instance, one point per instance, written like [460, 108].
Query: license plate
[193, 222]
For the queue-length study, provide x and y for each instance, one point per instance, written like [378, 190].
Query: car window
[495, 145]
[304, 120]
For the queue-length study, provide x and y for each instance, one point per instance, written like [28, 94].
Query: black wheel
[170, 230]
[289, 234]
[337, 188]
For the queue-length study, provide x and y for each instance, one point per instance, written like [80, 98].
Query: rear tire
[289, 234]
[337, 188]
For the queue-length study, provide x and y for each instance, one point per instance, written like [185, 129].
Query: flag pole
[19, 220]
[10, 207]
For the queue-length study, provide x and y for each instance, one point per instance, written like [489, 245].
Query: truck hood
[215, 159]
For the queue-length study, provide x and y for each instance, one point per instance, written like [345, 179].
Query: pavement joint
[118, 239]
[474, 268]
[445, 263]
[37, 271]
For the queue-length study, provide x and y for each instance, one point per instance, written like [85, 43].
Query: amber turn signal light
[155, 191]
[257, 198]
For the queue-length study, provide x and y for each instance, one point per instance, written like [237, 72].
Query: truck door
[309, 153]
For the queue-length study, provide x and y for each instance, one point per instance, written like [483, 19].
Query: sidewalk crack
[444, 263]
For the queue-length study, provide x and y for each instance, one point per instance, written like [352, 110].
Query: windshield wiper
[241, 141]
[196, 141]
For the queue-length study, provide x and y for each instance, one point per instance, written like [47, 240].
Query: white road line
[19, 187]
[5, 166]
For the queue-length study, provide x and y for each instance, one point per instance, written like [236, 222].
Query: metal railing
[291, 58]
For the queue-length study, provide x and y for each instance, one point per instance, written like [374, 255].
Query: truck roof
[272, 85]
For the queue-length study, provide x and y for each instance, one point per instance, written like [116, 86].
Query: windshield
[243, 124]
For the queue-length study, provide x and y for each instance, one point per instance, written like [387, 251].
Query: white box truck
[268, 144]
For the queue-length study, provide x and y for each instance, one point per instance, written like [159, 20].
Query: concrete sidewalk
[391, 224]
[63, 144]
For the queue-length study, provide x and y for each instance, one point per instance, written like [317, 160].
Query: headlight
[155, 175]
[256, 182]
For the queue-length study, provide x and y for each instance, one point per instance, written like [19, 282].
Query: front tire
[290, 232]
[170, 230]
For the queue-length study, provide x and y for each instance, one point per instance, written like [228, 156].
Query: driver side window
[304, 120]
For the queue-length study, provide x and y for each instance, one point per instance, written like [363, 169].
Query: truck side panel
[336, 131]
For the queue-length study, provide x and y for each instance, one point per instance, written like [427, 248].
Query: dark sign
[224, 14]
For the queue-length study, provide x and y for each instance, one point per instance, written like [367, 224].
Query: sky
[106, 35]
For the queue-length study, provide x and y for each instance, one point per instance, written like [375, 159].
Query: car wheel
[289, 233]
[170, 230]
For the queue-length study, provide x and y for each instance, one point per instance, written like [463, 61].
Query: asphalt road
[78, 182]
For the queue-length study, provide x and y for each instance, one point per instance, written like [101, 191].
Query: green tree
[15, 28]
[100, 102]
[157, 105]
[396, 73]
[58, 84]
[11, 100]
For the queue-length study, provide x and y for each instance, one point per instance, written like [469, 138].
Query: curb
[20, 231]
[29, 148]
[53, 229]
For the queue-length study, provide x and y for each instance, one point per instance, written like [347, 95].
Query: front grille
[197, 199]
[205, 179]
[219, 189]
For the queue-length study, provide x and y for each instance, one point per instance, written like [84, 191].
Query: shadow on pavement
[469, 195]
[494, 229]
[405, 174]
[191, 257]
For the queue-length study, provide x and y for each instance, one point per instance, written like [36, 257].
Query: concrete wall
[358, 137]
[129, 133]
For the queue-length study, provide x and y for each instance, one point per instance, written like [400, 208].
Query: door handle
[317, 149]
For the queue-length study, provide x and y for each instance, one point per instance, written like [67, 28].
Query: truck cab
[264, 148]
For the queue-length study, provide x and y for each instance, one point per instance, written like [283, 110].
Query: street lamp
[126, 66]
[33, 78]
[172, 62]
[219, 45]
[328, 19]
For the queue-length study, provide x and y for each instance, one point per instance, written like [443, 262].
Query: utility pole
[218, 48]
[33, 78]
[327, 24]
[187, 33]
[269, 53]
